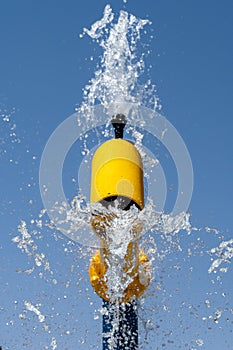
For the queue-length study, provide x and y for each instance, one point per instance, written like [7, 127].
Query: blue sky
[44, 66]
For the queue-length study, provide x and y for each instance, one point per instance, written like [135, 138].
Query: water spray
[117, 181]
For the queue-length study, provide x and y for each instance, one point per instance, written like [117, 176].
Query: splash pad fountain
[114, 85]
[119, 271]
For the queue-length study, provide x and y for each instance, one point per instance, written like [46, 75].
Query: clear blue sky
[44, 66]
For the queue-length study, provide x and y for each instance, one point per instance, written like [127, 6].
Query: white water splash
[53, 344]
[224, 253]
[9, 137]
[79, 215]
[200, 342]
[115, 84]
[26, 243]
[32, 308]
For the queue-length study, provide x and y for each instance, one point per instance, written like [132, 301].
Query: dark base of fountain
[120, 326]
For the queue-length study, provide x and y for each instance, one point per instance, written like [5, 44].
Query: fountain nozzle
[119, 122]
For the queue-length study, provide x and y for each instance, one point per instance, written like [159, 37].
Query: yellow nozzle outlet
[140, 275]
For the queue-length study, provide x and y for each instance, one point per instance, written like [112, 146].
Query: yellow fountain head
[117, 173]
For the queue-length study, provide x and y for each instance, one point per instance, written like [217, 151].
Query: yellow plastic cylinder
[117, 171]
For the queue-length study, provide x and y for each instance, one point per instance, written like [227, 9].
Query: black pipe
[125, 319]
[119, 122]
[124, 315]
